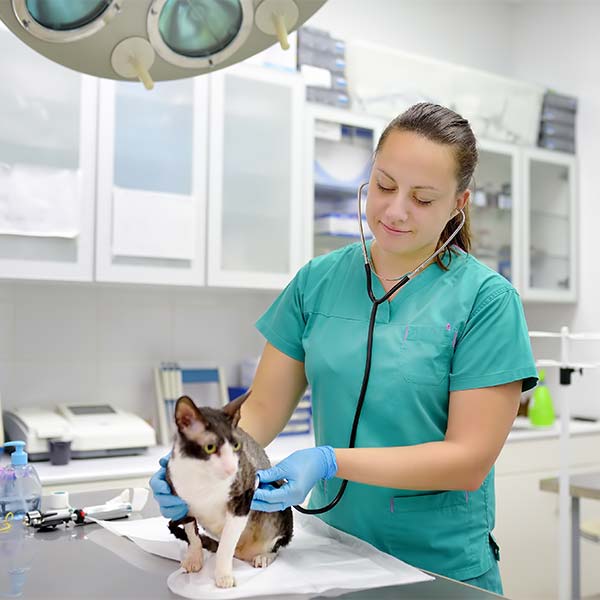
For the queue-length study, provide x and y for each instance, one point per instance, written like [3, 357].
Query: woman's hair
[444, 126]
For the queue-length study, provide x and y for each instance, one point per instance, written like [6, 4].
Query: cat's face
[210, 435]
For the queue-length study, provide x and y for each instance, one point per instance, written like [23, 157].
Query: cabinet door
[47, 166]
[255, 214]
[338, 151]
[152, 182]
[495, 207]
[549, 226]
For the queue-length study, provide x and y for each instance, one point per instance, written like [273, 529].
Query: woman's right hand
[171, 507]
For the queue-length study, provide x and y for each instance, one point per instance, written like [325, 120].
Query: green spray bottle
[541, 409]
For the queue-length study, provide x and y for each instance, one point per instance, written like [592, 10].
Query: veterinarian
[416, 360]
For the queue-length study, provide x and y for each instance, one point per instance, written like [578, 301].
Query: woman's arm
[479, 421]
[277, 387]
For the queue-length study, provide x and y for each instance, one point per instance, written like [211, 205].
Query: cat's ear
[232, 410]
[187, 416]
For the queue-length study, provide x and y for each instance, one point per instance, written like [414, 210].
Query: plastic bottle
[20, 485]
[541, 409]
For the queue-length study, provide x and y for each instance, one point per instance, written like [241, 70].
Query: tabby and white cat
[213, 468]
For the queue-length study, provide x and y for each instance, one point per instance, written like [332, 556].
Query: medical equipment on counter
[95, 430]
[401, 281]
[59, 511]
[153, 40]
[566, 369]
[20, 485]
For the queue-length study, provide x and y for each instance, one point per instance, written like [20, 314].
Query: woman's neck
[388, 265]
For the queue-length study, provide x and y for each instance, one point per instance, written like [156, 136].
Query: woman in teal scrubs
[451, 356]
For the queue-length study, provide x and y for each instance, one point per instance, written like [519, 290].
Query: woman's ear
[463, 200]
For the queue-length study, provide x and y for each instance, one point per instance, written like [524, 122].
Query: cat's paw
[226, 580]
[193, 562]
[261, 561]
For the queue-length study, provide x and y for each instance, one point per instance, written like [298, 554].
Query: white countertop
[523, 430]
[145, 465]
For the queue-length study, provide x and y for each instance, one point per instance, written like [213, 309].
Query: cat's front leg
[194, 559]
[232, 530]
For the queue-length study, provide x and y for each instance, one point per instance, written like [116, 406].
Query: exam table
[89, 562]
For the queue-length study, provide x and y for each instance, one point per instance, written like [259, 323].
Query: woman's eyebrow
[414, 187]
[386, 174]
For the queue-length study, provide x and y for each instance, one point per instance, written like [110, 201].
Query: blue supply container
[20, 485]
[301, 420]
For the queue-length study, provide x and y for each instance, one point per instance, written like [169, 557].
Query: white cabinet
[527, 520]
[255, 212]
[550, 226]
[339, 148]
[524, 219]
[495, 209]
[47, 166]
[152, 172]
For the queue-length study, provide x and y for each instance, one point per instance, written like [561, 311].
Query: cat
[213, 468]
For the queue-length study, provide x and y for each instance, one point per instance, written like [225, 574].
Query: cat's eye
[237, 446]
[210, 448]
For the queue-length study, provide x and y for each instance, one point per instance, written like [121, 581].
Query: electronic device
[95, 430]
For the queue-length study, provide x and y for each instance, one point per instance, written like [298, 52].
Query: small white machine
[94, 430]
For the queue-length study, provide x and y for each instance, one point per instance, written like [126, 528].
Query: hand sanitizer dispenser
[20, 486]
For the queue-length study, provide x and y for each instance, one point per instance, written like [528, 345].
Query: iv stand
[566, 370]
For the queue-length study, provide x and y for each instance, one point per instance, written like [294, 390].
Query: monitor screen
[97, 409]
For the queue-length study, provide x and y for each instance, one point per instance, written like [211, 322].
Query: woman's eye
[210, 448]
[423, 202]
[384, 189]
[237, 446]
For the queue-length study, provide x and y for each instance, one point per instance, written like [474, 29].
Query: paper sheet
[39, 201]
[319, 560]
[153, 225]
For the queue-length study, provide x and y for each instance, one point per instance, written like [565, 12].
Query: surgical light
[153, 40]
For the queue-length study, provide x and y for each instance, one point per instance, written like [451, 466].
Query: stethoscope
[401, 281]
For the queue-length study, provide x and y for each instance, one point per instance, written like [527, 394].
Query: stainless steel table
[585, 485]
[89, 562]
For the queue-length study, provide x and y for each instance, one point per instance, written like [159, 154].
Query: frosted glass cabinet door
[550, 227]
[152, 182]
[338, 153]
[495, 206]
[255, 214]
[47, 166]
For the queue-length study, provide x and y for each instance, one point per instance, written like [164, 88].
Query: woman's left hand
[301, 471]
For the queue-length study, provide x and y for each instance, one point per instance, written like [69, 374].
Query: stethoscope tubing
[376, 302]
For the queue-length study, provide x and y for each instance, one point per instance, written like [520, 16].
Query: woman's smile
[393, 231]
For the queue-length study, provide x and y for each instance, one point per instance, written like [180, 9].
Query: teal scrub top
[458, 329]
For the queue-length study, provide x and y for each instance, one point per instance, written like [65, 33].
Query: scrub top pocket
[426, 354]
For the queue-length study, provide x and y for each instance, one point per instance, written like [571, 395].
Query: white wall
[557, 44]
[87, 343]
[477, 33]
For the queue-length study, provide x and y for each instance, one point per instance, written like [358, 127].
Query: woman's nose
[397, 208]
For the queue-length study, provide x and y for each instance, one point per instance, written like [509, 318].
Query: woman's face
[412, 194]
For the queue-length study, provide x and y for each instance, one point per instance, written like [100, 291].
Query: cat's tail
[208, 543]
[178, 531]
[175, 527]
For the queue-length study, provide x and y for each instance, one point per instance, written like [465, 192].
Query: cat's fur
[218, 488]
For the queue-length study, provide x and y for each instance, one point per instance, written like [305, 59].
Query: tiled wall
[93, 343]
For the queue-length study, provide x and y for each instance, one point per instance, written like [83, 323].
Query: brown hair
[444, 126]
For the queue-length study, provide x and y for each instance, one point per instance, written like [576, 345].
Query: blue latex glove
[302, 470]
[171, 506]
